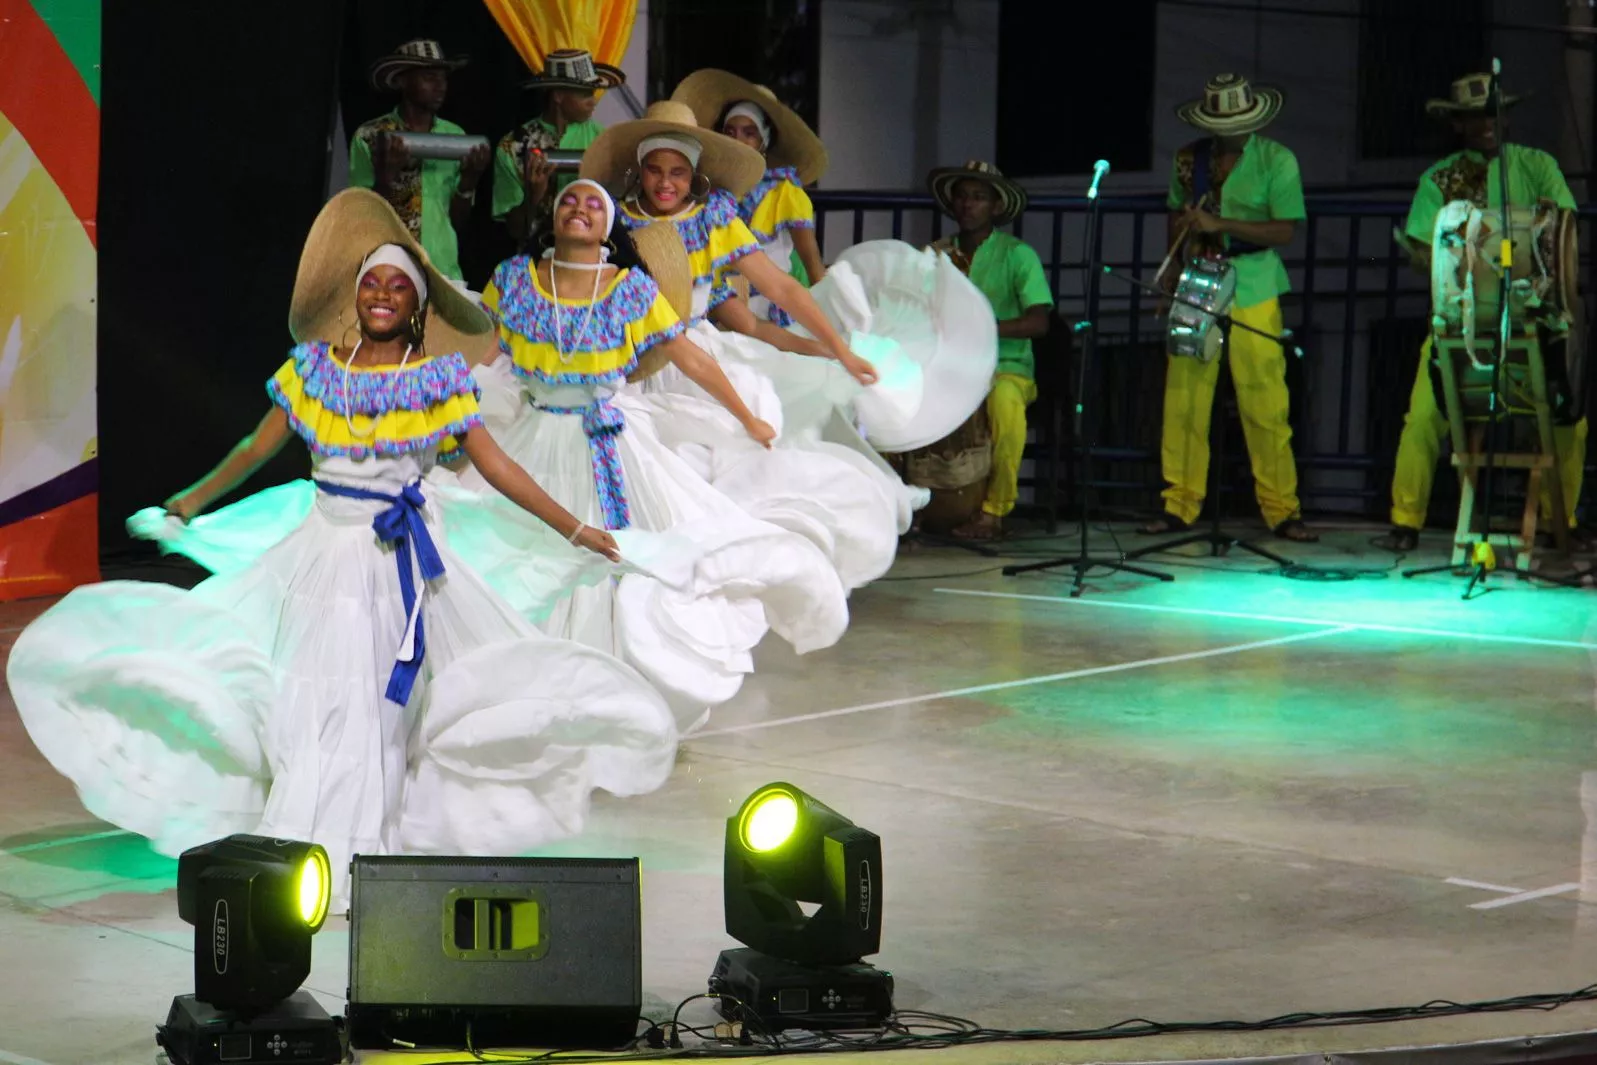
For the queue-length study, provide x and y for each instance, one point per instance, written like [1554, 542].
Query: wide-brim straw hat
[350, 227]
[1231, 106]
[711, 92]
[412, 55]
[575, 68]
[1470, 94]
[727, 163]
[662, 251]
[1012, 198]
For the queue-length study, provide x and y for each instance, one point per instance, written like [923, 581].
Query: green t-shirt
[1532, 175]
[1263, 186]
[510, 160]
[421, 195]
[1010, 275]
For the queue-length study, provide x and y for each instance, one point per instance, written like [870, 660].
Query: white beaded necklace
[349, 362]
[567, 357]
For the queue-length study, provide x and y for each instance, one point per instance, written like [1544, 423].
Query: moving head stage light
[784, 848]
[254, 903]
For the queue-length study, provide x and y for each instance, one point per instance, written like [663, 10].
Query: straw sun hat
[710, 92]
[1470, 94]
[1231, 106]
[351, 225]
[662, 251]
[728, 164]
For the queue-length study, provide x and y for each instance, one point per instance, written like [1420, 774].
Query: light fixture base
[296, 1031]
[773, 994]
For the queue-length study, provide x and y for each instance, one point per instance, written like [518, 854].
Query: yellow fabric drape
[538, 27]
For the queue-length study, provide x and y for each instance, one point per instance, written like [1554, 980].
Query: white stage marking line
[1024, 682]
[46, 844]
[18, 1059]
[1360, 625]
[1499, 888]
[1525, 896]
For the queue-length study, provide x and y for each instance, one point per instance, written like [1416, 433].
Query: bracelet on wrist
[572, 539]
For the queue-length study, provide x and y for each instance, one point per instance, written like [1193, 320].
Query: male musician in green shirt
[1469, 174]
[1008, 272]
[1237, 195]
[524, 182]
[431, 196]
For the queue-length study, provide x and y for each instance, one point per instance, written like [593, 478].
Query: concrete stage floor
[1230, 797]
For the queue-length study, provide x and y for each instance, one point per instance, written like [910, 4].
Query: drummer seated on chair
[1237, 195]
[1010, 275]
[1471, 174]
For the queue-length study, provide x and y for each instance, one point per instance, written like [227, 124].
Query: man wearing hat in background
[1237, 195]
[525, 185]
[1009, 273]
[431, 196]
[1470, 174]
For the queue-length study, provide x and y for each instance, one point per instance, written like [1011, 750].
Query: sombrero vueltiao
[710, 92]
[662, 251]
[1469, 95]
[350, 226]
[729, 165]
[412, 55]
[1011, 197]
[1230, 106]
[575, 68]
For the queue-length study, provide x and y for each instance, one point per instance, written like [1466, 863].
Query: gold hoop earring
[343, 340]
[416, 324]
[693, 190]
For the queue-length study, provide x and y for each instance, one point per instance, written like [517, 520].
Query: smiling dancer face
[390, 295]
[667, 167]
[583, 217]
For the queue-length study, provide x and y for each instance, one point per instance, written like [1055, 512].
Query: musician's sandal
[1293, 529]
[1401, 540]
[983, 526]
[1162, 525]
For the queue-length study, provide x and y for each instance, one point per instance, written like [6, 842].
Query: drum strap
[1202, 160]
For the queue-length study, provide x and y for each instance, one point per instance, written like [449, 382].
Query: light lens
[770, 821]
[315, 888]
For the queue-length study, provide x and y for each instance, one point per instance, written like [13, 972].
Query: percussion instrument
[1465, 272]
[956, 469]
[1543, 295]
[454, 146]
[1206, 289]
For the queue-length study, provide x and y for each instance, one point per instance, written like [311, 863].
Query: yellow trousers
[1425, 433]
[1258, 370]
[1006, 411]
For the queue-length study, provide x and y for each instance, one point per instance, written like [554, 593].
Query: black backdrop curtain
[216, 137]
[213, 147]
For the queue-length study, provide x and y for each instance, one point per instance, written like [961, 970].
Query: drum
[1543, 290]
[1206, 288]
[955, 468]
[1464, 272]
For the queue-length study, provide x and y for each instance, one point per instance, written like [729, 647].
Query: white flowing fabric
[692, 637]
[255, 702]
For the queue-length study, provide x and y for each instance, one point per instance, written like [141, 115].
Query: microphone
[1099, 169]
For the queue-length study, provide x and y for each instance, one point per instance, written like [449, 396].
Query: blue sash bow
[403, 525]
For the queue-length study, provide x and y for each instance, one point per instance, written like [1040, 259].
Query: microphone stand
[1483, 557]
[1081, 562]
[1219, 541]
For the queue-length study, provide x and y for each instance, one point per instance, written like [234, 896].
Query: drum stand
[1083, 561]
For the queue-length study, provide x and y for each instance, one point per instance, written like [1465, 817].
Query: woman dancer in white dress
[355, 685]
[689, 178]
[573, 327]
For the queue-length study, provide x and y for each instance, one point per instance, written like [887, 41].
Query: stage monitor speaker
[524, 952]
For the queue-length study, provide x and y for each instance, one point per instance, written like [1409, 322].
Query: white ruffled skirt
[255, 701]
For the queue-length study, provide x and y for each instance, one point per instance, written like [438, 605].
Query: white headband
[675, 142]
[394, 255]
[755, 114]
[604, 194]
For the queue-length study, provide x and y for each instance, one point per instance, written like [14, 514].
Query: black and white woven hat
[419, 54]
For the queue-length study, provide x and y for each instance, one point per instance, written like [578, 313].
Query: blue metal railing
[1356, 307]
